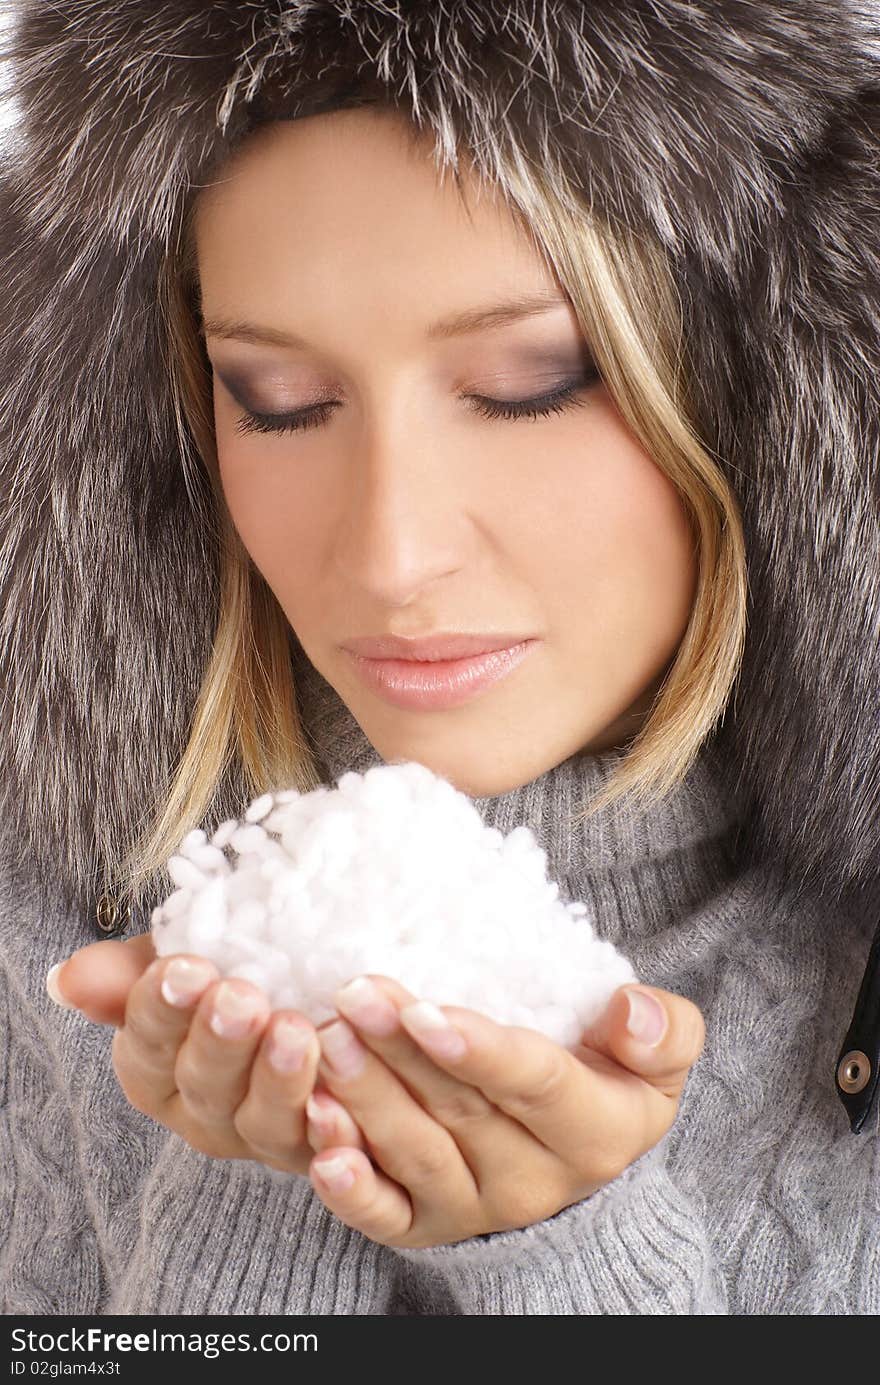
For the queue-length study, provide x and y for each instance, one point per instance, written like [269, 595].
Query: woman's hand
[221, 1093]
[502, 1135]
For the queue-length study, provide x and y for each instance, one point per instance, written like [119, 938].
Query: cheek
[270, 501]
[275, 522]
[619, 550]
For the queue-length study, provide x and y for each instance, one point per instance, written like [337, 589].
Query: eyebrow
[492, 315]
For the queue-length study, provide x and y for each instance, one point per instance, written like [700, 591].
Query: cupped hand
[501, 1132]
[232, 1095]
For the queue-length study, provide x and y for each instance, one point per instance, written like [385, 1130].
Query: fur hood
[743, 134]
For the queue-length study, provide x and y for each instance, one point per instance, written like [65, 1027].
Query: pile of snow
[392, 872]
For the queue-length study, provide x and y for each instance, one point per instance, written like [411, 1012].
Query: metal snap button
[110, 917]
[854, 1071]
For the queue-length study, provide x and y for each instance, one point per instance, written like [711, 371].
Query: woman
[255, 269]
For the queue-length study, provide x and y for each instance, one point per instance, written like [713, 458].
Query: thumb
[655, 1034]
[98, 977]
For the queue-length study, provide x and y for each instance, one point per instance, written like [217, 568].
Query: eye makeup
[541, 406]
[579, 375]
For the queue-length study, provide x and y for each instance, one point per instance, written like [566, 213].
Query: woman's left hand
[501, 1135]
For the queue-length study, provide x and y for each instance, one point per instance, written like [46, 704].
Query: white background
[8, 110]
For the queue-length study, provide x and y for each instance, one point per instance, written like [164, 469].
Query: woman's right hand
[221, 1093]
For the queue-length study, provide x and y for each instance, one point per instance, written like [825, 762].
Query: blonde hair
[625, 299]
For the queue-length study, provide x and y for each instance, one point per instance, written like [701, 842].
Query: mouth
[437, 683]
[436, 648]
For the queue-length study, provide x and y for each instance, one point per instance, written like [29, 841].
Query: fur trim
[742, 133]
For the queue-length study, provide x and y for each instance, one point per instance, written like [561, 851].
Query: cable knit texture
[759, 1200]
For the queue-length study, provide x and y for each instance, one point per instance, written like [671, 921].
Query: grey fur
[744, 134]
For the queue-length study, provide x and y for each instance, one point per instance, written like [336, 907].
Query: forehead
[350, 197]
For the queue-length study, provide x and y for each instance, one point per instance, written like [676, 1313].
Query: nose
[403, 521]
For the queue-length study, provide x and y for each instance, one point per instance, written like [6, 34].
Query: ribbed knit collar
[688, 833]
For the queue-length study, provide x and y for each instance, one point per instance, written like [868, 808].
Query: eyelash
[541, 406]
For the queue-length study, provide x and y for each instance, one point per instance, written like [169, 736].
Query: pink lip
[437, 684]
[431, 648]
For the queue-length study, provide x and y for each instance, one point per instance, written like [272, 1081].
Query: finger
[213, 1067]
[406, 1142]
[521, 1072]
[666, 1040]
[328, 1123]
[96, 979]
[272, 1117]
[371, 1004]
[157, 1017]
[477, 1125]
[361, 1195]
[595, 1116]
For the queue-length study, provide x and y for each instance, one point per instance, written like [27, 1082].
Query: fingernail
[184, 981]
[341, 1049]
[233, 1013]
[54, 989]
[335, 1172]
[363, 1002]
[322, 1115]
[646, 1020]
[288, 1046]
[431, 1029]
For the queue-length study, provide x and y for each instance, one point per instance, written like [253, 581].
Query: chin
[479, 774]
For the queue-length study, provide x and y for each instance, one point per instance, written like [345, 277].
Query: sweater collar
[695, 813]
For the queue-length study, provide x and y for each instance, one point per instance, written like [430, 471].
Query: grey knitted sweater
[759, 1200]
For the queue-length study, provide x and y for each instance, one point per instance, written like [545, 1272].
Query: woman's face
[398, 507]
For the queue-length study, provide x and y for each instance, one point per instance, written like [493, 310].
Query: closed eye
[567, 396]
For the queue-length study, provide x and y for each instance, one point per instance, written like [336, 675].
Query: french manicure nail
[233, 1014]
[432, 1030]
[363, 1002]
[646, 1020]
[54, 990]
[341, 1049]
[324, 1117]
[336, 1173]
[184, 981]
[288, 1046]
